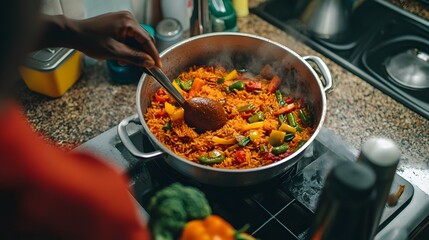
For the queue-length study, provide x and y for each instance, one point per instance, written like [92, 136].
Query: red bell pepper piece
[253, 85]
[161, 96]
[289, 100]
[162, 113]
[240, 155]
[286, 109]
[274, 84]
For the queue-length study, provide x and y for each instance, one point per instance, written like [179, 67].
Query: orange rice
[185, 142]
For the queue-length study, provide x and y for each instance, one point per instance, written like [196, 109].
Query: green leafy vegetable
[172, 207]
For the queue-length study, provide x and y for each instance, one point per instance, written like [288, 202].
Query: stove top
[283, 206]
[378, 33]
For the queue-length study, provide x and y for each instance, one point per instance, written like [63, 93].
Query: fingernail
[149, 63]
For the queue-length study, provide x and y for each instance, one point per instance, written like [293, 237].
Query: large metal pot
[231, 50]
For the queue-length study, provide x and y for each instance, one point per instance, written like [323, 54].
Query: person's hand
[109, 36]
[117, 36]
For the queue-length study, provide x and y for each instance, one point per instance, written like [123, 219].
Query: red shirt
[46, 192]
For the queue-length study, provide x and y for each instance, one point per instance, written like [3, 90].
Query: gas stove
[384, 45]
[282, 207]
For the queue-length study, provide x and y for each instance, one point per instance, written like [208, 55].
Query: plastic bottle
[241, 7]
[343, 210]
[177, 9]
[223, 16]
[382, 155]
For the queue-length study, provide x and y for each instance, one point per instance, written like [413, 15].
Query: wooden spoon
[203, 114]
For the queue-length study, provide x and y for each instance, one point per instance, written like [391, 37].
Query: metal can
[168, 32]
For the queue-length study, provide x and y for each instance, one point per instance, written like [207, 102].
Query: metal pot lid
[410, 69]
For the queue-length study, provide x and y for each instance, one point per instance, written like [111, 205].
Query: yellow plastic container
[52, 71]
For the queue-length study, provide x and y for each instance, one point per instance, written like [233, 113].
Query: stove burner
[410, 69]
[283, 206]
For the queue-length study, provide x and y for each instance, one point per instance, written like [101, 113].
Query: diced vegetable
[220, 80]
[231, 76]
[239, 85]
[286, 109]
[161, 113]
[214, 158]
[246, 107]
[302, 115]
[175, 113]
[276, 138]
[251, 126]
[287, 128]
[282, 118]
[169, 108]
[244, 141]
[289, 137]
[240, 155]
[167, 126]
[279, 98]
[178, 88]
[289, 100]
[279, 149]
[242, 70]
[300, 144]
[178, 114]
[274, 84]
[254, 134]
[184, 85]
[257, 117]
[263, 148]
[212, 227]
[224, 141]
[291, 119]
[253, 86]
[196, 86]
[161, 96]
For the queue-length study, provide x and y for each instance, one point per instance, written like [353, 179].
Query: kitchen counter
[355, 109]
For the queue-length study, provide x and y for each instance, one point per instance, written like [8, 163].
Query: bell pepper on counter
[212, 227]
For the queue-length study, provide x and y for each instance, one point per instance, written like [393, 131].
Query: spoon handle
[159, 75]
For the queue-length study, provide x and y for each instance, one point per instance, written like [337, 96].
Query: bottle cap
[169, 29]
[382, 155]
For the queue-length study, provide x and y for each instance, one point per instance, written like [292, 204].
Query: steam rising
[286, 66]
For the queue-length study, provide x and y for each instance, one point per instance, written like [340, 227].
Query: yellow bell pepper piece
[174, 113]
[287, 128]
[276, 138]
[251, 126]
[178, 88]
[231, 76]
[224, 141]
[169, 108]
[254, 134]
[178, 114]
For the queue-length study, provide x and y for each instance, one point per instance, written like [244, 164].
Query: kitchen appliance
[280, 208]
[379, 34]
[237, 51]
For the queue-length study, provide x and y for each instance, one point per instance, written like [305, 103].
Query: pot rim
[170, 153]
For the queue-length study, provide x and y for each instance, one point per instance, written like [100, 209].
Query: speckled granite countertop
[356, 110]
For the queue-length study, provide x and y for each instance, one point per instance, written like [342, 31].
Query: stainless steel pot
[240, 51]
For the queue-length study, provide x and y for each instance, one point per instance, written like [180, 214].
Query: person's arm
[102, 37]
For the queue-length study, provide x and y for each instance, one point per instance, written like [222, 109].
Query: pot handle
[323, 69]
[123, 135]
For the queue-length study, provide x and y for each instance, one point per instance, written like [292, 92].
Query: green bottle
[223, 16]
